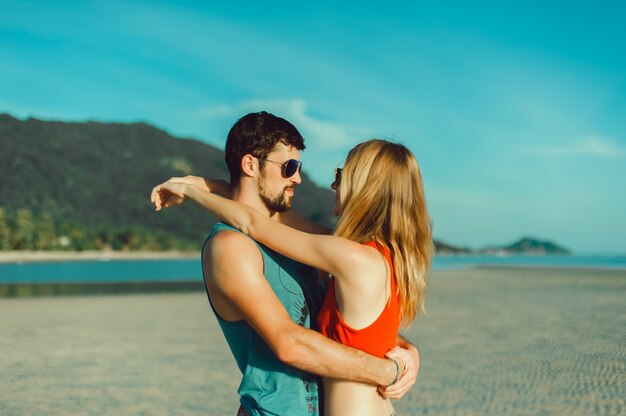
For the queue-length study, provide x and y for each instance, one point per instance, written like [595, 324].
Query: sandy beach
[495, 341]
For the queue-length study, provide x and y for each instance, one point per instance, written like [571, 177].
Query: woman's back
[372, 315]
[370, 324]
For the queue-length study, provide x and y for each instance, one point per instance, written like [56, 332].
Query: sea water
[168, 270]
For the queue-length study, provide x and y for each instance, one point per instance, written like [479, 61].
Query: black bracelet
[397, 377]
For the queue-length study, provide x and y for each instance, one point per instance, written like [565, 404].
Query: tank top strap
[221, 226]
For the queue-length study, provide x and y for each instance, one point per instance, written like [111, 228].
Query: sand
[495, 341]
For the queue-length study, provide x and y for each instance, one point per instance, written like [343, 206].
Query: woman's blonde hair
[382, 200]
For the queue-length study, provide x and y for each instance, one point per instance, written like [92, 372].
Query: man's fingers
[411, 361]
[397, 390]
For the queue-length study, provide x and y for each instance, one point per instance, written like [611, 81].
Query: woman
[378, 256]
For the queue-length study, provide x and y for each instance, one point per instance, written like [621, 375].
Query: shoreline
[519, 274]
[89, 255]
[53, 256]
[41, 290]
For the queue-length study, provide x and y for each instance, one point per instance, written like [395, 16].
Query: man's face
[275, 190]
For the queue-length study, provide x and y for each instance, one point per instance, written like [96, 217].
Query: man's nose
[296, 178]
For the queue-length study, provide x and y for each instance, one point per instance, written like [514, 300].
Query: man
[266, 303]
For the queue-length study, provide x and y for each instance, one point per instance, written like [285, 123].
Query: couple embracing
[285, 322]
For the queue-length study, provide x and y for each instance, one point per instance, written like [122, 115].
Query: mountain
[87, 186]
[527, 245]
[80, 186]
[448, 249]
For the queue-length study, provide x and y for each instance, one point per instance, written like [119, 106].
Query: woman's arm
[161, 196]
[218, 186]
[335, 255]
[294, 220]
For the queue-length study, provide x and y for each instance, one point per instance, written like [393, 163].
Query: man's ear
[249, 165]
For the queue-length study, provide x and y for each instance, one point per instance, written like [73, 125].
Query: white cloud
[598, 146]
[215, 111]
[327, 135]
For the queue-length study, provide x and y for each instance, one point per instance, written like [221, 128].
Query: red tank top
[377, 338]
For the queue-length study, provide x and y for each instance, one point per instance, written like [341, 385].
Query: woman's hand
[198, 181]
[169, 194]
[216, 186]
[172, 192]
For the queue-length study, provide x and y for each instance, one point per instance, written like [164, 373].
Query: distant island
[84, 187]
[526, 246]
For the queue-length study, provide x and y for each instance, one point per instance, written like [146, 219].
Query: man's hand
[411, 358]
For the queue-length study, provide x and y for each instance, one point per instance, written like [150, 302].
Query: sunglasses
[289, 168]
[338, 175]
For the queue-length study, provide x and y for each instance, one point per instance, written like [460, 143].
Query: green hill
[532, 246]
[80, 186]
[527, 245]
[448, 249]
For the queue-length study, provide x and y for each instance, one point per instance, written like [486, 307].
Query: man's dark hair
[257, 134]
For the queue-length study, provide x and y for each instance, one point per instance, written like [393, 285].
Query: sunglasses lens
[338, 175]
[291, 167]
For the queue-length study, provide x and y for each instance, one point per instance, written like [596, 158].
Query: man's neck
[251, 198]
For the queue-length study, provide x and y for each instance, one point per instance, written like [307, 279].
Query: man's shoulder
[231, 261]
[228, 240]
[222, 226]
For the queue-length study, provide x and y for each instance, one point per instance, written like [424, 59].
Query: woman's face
[335, 186]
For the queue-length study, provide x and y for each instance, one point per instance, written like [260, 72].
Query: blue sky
[516, 112]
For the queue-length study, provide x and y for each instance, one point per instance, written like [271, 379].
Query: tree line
[25, 230]
[85, 186]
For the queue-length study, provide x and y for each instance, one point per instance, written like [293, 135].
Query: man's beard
[279, 203]
[276, 203]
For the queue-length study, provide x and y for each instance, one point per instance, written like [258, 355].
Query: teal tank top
[268, 386]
